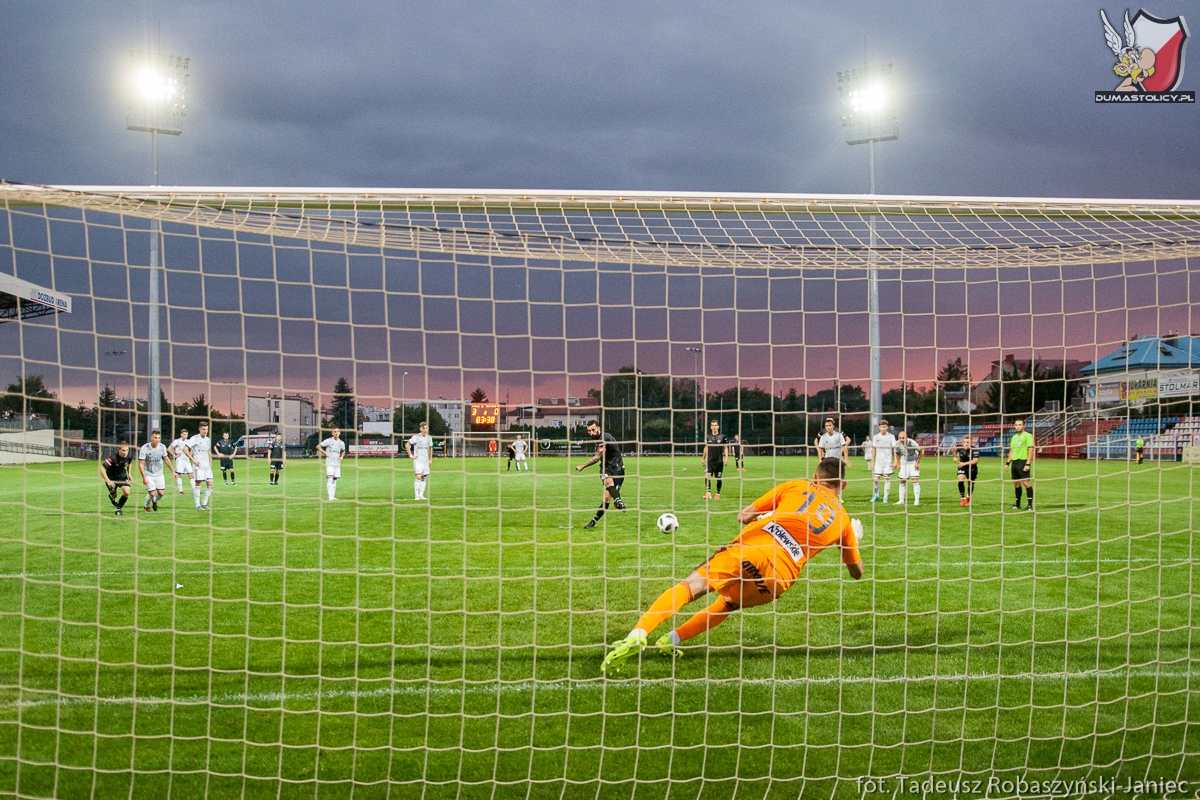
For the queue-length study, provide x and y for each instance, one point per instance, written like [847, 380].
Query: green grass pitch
[381, 647]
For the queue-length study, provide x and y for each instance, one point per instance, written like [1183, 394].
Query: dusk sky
[992, 100]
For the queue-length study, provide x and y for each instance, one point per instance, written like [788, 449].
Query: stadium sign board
[1179, 384]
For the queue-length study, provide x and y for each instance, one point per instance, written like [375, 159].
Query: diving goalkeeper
[783, 530]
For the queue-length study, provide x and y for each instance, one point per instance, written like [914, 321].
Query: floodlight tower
[159, 105]
[868, 116]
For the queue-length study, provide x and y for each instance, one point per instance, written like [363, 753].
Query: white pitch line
[562, 570]
[261, 699]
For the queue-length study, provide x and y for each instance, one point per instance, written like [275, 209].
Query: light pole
[868, 116]
[402, 377]
[132, 391]
[159, 106]
[695, 351]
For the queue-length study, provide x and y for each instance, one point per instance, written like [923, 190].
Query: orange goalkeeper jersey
[806, 518]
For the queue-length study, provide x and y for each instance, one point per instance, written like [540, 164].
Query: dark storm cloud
[996, 98]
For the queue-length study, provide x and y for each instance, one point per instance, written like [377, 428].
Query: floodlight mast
[158, 106]
[868, 116]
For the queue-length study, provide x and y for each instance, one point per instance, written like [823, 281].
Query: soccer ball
[668, 522]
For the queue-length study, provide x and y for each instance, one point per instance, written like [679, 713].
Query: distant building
[452, 411]
[375, 420]
[1145, 370]
[553, 412]
[293, 416]
[1013, 366]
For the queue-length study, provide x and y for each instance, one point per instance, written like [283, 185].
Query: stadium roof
[24, 300]
[1149, 352]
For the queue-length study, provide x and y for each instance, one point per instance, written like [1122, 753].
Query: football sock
[600, 512]
[233, 476]
[1029, 491]
[196, 495]
[121, 502]
[705, 620]
[1018, 494]
[916, 492]
[330, 485]
[962, 488]
[876, 484]
[667, 604]
[903, 491]
[970, 488]
[416, 489]
[707, 486]
[149, 499]
[207, 494]
[225, 475]
[887, 488]
[614, 492]
[179, 484]
[718, 485]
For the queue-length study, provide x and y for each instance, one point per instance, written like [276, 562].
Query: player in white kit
[520, 448]
[908, 459]
[332, 448]
[883, 459]
[199, 450]
[420, 448]
[183, 464]
[832, 443]
[152, 457]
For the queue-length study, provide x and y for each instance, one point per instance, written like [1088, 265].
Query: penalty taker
[784, 529]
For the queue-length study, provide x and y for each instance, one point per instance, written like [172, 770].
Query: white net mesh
[284, 644]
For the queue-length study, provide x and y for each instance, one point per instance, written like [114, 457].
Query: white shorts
[883, 469]
[909, 470]
[420, 467]
[183, 466]
[202, 474]
[158, 481]
[333, 470]
[520, 457]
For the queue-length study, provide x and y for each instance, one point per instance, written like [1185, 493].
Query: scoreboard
[485, 413]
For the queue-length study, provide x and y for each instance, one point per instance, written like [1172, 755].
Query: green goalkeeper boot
[621, 651]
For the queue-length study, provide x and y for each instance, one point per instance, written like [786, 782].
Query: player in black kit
[114, 470]
[227, 450]
[968, 470]
[612, 471]
[716, 453]
[277, 456]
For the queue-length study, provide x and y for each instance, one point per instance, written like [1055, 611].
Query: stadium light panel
[868, 113]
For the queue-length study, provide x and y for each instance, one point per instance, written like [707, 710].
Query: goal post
[358, 626]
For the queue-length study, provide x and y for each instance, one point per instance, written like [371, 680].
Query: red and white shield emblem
[1167, 38]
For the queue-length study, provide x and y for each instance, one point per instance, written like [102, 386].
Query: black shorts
[715, 469]
[970, 473]
[118, 483]
[276, 465]
[616, 479]
[1018, 470]
[226, 463]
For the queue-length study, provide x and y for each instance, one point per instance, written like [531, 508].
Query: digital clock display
[485, 414]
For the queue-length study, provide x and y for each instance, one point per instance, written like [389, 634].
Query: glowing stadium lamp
[867, 112]
[869, 117]
[159, 101]
[158, 105]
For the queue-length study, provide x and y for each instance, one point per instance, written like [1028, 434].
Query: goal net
[394, 634]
